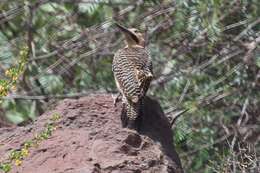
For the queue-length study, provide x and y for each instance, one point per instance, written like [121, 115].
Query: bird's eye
[135, 31]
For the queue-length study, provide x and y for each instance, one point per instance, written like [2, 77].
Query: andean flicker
[132, 68]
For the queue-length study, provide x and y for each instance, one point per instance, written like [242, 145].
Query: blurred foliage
[206, 60]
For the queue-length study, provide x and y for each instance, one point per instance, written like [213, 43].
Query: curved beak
[127, 32]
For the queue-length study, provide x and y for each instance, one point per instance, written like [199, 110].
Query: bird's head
[133, 36]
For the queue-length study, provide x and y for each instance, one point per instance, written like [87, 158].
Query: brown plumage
[132, 68]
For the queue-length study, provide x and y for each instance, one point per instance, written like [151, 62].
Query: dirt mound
[89, 138]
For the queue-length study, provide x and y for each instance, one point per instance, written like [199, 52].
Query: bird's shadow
[157, 126]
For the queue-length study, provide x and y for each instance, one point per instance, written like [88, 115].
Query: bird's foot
[116, 98]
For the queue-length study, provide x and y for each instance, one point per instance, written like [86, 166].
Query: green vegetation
[205, 55]
[17, 156]
[13, 73]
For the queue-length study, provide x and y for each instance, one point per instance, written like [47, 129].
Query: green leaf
[87, 7]
[6, 167]
[49, 7]
[15, 117]
[258, 61]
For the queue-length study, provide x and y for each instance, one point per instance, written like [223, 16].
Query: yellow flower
[13, 87]
[25, 152]
[18, 162]
[15, 78]
[1, 88]
[7, 73]
[3, 91]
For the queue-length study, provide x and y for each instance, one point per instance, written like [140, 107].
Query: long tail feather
[134, 114]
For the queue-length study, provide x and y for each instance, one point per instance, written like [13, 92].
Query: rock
[134, 140]
[90, 139]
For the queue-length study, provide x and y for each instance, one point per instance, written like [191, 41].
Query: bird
[133, 73]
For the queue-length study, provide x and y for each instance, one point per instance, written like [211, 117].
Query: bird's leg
[124, 118]
[116, 98]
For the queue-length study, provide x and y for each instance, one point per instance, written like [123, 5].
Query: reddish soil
[90, 139]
